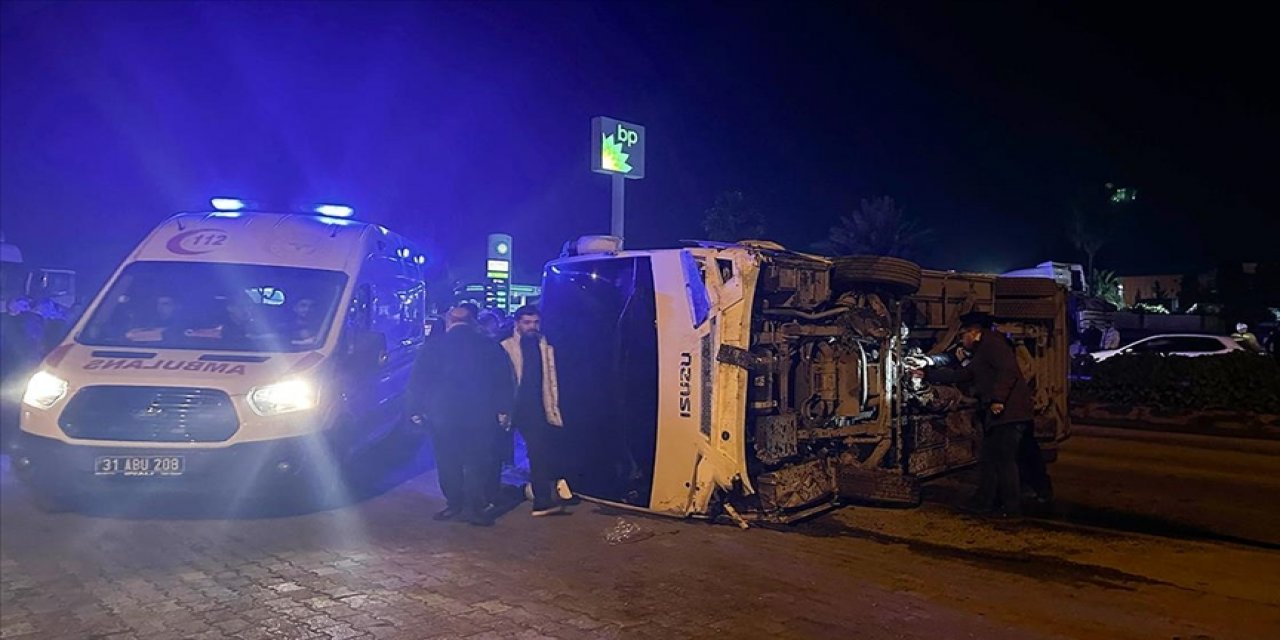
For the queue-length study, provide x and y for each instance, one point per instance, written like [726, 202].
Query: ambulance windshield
[217, 307]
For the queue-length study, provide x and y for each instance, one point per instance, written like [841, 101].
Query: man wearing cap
[1006, 409]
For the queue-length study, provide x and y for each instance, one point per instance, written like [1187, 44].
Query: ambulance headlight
[44, 390]
[283, 397]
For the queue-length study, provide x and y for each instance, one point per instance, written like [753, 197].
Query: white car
[1188, 345]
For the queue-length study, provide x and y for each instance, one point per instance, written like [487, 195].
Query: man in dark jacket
[461, 389]
[1006, 406]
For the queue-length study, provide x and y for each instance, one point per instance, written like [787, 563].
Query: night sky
[450, 121]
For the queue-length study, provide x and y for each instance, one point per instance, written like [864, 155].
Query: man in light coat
[537, 407]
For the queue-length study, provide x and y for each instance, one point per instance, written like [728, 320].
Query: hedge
[1238, 381]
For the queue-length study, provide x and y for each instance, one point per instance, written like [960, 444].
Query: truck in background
[1068, 274]
[18, 278]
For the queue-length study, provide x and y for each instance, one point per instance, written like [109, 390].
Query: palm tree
[877, 227]
[1088, 235]
[1096, 219]
[734, 216]
[1105, 284]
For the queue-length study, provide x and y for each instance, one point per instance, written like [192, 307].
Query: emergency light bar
[334, 210]
[227, 204]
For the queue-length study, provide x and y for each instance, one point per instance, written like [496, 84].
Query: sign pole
[619, 202]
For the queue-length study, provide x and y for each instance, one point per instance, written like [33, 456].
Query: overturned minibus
[756, 383]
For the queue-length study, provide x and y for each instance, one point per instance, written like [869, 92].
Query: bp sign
[617, 148]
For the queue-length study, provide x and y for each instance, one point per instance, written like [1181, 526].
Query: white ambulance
[230, 347]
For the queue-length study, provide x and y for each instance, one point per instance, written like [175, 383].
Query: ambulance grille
[149, 414]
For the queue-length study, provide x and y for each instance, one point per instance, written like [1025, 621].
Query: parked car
[1188, 345]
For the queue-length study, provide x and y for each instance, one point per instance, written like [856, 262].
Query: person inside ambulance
[238, 326]
[235, 328]
[304, 325]
[160, 323]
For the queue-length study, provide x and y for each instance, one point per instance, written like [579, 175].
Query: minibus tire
[898, 275]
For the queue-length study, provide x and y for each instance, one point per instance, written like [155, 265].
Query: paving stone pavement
[381, 568]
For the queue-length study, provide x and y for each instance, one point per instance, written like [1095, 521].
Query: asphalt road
[1155, 536]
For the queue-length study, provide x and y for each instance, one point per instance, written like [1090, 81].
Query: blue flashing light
[227, 204]
[335, 210]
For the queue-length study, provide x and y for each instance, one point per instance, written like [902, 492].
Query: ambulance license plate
[140, 466]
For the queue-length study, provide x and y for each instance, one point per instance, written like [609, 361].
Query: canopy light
[227, 204]
[403, 252]
[335, 210]
[421, 259]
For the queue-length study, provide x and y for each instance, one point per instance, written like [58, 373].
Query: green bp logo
[612, 157]
[617, 148]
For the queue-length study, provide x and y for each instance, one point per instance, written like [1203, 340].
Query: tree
[1096, 219]
[877, 227]
[1106, 285]
[733, 217]
[1089, 236]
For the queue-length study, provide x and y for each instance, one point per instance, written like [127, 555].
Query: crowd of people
[499, 380]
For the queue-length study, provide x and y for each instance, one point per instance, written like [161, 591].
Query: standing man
[537, 408]
[461, 389]
[490, 324]
[1007, 411]
[1110, 337]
